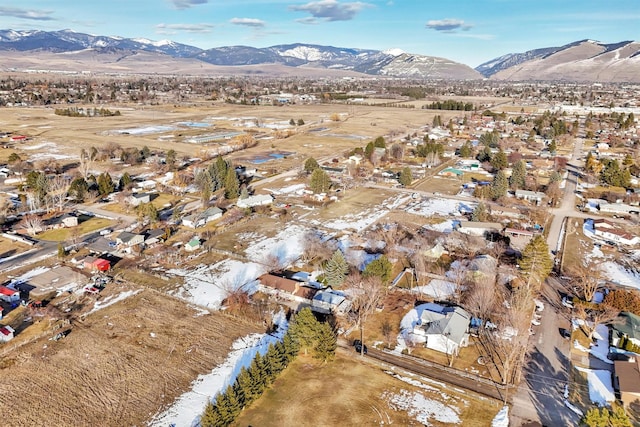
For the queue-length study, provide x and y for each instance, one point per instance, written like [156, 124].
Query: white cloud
[36, 15]
[248, 22]
[185, 4]
[186, 28]
[448, 25]
[331, 10]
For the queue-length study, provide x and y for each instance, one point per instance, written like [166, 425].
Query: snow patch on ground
[502, 418]
[600, 386]
[600, 349]
[360, 221]
[442, 207]
[286, 246]
[616, 273]
[442, 227]
[421, 408]
[28, 275]
[112, 299]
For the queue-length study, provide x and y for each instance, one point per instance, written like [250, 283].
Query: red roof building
[8, 294]
[6, 333]
[101, 264]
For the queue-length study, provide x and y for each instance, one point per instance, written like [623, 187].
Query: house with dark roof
[281, 287]
[197, 220]
[627, 380]
[128, 240]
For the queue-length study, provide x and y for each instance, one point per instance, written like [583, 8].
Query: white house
[255, 200]
[531, 196]
[608, 231]
[444, 329]
[200, 219]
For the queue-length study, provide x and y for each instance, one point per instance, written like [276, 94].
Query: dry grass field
[118, 367]
[350, 391]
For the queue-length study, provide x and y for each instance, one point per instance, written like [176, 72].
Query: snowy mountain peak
[394, 52]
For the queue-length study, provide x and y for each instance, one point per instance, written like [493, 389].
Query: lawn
[88, 226]
[306, 394]
[10, 247]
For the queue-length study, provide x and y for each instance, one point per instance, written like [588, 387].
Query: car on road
[567, 302]
[360, 348]
[565, 333]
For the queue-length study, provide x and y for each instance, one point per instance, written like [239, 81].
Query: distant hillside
[581, 61]
[78, 51]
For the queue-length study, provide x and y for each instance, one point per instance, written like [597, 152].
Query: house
[532, 196]
[617, 208]
[197, 220]
[128, 239]
[9, 295]
[627, 380]
[329, 301]
[154, 236]
[69, 220]
[609, 231]
[627, 326]
[255, 200]
[136, 199]
[281, 287]
[192, 245]
[477, 228]
[88, 261]
[52, 282]
[444, 329]
[451, 173]
[6, 333]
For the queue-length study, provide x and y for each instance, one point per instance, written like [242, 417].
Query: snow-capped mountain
[69, 41]
[584, 60]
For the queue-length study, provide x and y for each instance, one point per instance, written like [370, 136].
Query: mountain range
[67, 50]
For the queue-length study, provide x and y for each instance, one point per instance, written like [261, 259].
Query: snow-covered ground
[502, 418]
[112, 299]
[208, 285]
[443, 227]
[186, 410]
[361, 220]
[424, 406]
[600, 386]
[439, 289]
[443, 207]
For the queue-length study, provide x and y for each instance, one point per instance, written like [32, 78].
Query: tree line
[305, 333]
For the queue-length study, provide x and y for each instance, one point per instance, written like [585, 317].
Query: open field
[88, 226]
[351, 391]
[120, 365]
[10, 247]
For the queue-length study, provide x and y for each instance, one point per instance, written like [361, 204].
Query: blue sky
[467, 31]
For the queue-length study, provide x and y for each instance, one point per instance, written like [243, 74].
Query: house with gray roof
[444, 329]
[627, 326]
[329, 301]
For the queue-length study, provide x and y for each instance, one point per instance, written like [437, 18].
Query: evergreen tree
[406, 177]
[304, 329]
[244, 388]
[229, 406]
[484, 155]
[272, 363]
[257, 373]
[536, 263]
[499, 185]
[480, 213]
[105, 184]
[290, 347]
[381, 268]
[379, 142]
[325, 348]
[300, 122]
[320, 181]
[231, 184]
[490, 139]
[553, 147]
[292, 122]
[368, 150]
[311, 165]
[499, 160]
[466, 150]
[211, 416]
[555, 177]
[218, 172]
[336, 269]
[78, 189]
[518, 175]
[125, 181]
[171, 158]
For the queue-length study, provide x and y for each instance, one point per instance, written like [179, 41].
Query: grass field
[119, 366]
[350, 391]
[10, 247]
[88, 226]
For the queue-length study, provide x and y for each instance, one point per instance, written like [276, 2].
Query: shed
[6, 333]
[101, 264]
[9, 295]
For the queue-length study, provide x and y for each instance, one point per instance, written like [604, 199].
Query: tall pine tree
[336, 269]
[518, 175]
[536, 263]
[325, 348]
[499, 185]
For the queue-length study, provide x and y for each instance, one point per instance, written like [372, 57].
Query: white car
[567, 302]
[535, 322]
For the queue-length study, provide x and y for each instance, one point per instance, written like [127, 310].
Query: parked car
[565, 333]
[361, 348]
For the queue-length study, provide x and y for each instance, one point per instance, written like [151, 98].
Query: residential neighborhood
[493, 249]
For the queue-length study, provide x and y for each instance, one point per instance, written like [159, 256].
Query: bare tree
[57, 190]
[592, 317]
[316, 249]
[365, 294]
[86, 162]
[585, 280]
[32, 223]
[480, 298]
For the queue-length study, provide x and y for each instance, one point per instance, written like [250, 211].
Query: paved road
[567, 207]
[540, 395]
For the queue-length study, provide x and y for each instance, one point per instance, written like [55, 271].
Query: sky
[467, 31]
